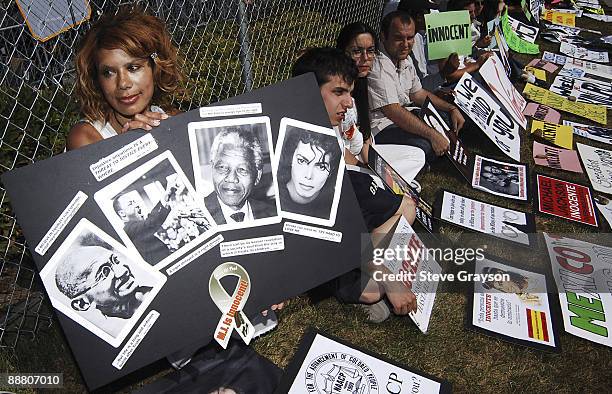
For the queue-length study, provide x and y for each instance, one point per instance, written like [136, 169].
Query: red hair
[139, 35]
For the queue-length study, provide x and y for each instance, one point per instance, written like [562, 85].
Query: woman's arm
[82, 134]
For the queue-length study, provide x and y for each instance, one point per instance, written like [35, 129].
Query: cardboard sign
[323, 364]
[581, 271]
[544, 65]
[457, 153]
[503, 130]
[398, 185]
[597, 113]
[593, 92]
[414, 271]
[523, 30]
[560, 18]
[594, 68]
[49, 18]
[492, 72]
[557, 134]
[581, 53]
[496, 221]
[591, 74]
[512, 303]
[516, 43]
[565, 200]
[598, 165]
[557, 158]
[499, 178]
[448, 32]
[595, 133]
[539, 74]
[542, 112]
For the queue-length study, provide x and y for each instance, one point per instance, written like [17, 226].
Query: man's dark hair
[349, 32]
[385, 24]
[326, 62]
[416, 7]
[458, 5]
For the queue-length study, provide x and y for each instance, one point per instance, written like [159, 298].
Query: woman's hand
[146, 121]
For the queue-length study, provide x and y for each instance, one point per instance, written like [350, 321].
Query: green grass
[472, 362]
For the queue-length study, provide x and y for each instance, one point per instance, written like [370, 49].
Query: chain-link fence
[228, 47]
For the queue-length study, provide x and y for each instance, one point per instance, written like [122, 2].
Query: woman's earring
[154, 57]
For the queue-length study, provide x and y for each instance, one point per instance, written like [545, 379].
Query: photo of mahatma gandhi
[502, 179]
[96, 282]
[155, 210]
[232, 161]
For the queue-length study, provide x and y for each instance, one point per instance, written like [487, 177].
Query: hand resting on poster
[119, 81]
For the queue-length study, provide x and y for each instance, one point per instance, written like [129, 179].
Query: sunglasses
[103, 272]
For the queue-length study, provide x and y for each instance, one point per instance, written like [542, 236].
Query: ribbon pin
[231, 306]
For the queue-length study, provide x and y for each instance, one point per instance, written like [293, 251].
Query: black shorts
[377, 205]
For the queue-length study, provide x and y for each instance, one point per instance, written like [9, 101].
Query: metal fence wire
[228, 47]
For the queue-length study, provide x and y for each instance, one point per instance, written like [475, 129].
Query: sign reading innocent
[448, 32]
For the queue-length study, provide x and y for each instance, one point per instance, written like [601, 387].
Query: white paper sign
[331, 367]
[123, 157]
[598, 165]
[252, 246]
[583, 53]
[582, 274]
[230, 110]
[60, 223]
[517, 308]
[417, 265]
[484, 111]
[492, 71]
[594, 133]
[523, 30]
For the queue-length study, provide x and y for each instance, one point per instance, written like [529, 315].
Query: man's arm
[455, 115]
[404, 119]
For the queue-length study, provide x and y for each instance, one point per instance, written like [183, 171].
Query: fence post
[245, 47]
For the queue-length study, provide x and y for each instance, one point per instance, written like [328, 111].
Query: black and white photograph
[595, 133]
[156, 211]
[499, 178]
[310, 171]
[98, 283]
[233, 169]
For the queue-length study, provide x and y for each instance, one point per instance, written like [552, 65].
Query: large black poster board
[40, 192]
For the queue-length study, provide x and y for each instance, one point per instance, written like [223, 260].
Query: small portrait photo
[499, 178]
[233, 169]
[98, 283]
[310, 172]
[156, 211]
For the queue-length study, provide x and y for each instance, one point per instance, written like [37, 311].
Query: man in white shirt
[394, 89]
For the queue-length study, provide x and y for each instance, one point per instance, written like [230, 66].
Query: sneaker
[378, 312]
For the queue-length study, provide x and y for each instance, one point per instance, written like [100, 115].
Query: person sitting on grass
[336, 73]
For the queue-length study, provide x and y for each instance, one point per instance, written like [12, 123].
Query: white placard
[523, 30]
[330, 364]
[60, 223]
[594, 133]
[312, 232]
[517, 307]
[131, 345]
[122, 158]
[598, 165]
[583, 53]
[485, 218]
[593, 92]
[420, 266]
[230, 110]
[492, 71]
[499, 178]
[487, 114]
[582, 274]
[252, 246]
